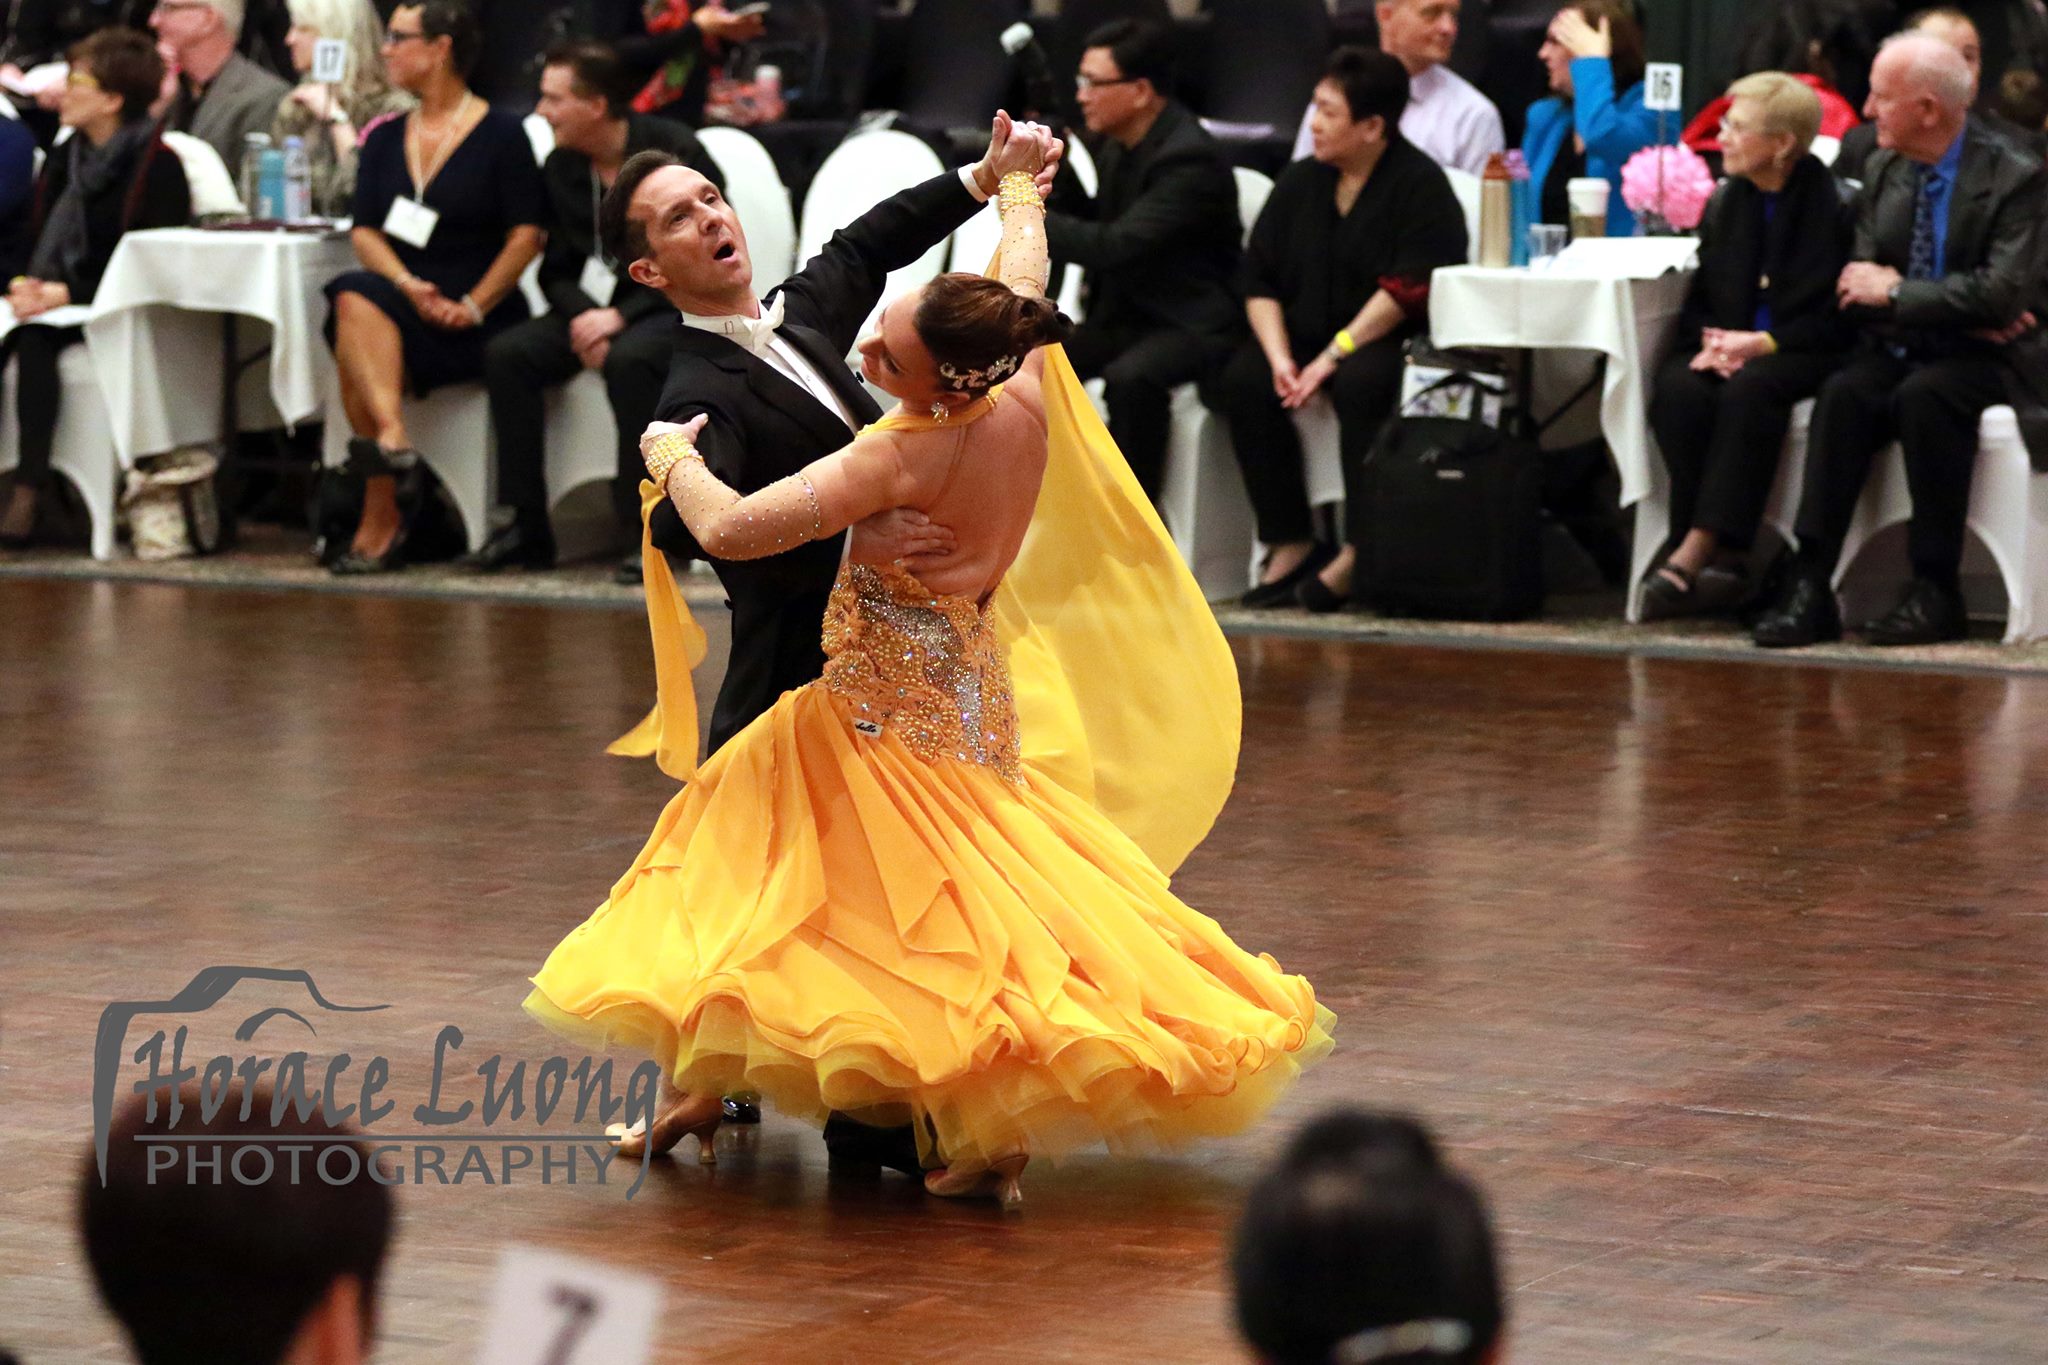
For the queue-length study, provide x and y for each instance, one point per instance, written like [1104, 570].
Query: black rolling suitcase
[1450, 524]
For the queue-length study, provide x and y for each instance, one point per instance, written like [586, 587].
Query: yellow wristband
[1345, 342]
[1770, 344]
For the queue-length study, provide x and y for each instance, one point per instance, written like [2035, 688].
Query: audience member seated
[1759, 333]
[668, 48]
[114, 174]
[2022, 102]
[1953, 27]
[329, 118]
[447, 215]
[1336, 280]
[1160, 242]
[17, 195]
[259, 1266]
[43, 31]
[2015, 38]
[1446, 118]
[1361, 1247]
[221, 95]
[599, 319]
[1823, 43]
[1944, 272]
[1594, 120]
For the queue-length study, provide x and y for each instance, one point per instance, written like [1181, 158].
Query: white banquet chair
[860, 173]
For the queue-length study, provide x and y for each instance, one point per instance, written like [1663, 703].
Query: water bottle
[298, 181]
[254, 145]
[270, 185]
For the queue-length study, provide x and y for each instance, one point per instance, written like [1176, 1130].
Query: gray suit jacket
[1994, 258]
[243, 99]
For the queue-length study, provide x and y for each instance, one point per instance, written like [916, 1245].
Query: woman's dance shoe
[997, 1181]
[696, 1116]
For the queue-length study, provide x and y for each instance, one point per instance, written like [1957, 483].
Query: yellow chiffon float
[932, 886]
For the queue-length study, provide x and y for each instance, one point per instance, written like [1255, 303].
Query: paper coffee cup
[1588, 199]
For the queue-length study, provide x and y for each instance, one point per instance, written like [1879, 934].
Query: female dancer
[877, 900]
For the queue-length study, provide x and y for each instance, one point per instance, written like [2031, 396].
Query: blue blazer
[1613, 127]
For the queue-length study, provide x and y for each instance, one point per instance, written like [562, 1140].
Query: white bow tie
[752, 333]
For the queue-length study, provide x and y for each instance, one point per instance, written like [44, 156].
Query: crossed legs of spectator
[370, 355]
[1932, 408]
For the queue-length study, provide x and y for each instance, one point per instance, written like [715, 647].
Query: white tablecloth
[1628, 320]
[155, 332]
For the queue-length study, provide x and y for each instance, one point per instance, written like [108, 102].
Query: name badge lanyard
[444, 149]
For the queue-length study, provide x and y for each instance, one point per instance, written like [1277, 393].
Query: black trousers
[38, 395]
[523, 361]
[1931, 407]
[1139, 368]
[1364, 390]
[1722, 438]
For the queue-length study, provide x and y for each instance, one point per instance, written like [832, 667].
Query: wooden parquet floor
[1724, 980]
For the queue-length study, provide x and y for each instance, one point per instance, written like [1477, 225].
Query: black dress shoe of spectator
[1280, 592]
[516, 545]
[629, 572]
[742, 1108]
[1314, 595]
[858, 1149]
[1805, 615]
[1928, 614]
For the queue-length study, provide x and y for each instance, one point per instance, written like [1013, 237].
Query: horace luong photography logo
[482, 1123]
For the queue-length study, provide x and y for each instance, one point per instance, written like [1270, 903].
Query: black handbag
[1449, 524]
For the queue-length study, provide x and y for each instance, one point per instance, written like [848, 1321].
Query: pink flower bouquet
[1676, 197]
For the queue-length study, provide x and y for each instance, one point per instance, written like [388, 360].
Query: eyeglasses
[173, 6]
[1084, 81]
[394, 36]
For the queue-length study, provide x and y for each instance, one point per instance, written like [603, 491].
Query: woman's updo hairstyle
[979, 330]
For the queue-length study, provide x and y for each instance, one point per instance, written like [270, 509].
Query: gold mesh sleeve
[1023, 260]
[821, 500]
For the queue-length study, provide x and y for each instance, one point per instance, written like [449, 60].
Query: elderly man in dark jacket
[1945, 266]
[1161, 241]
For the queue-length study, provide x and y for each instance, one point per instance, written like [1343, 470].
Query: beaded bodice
[927, 669]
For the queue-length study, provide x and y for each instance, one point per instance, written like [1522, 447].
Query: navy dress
[489, 185]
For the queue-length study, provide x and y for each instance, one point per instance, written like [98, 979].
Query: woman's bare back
[980, 481]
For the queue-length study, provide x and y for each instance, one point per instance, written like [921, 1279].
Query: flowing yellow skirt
[826, 918]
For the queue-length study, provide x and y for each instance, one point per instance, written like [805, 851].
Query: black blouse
[1322, 266]
[489, 185]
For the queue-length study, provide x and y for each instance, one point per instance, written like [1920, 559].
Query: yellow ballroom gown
[893, 898]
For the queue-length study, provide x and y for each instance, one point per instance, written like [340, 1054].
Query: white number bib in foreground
[551, 1309]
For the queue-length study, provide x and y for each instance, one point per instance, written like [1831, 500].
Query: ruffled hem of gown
[825, 918]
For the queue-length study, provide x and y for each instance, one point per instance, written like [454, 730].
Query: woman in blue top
[1594, 120]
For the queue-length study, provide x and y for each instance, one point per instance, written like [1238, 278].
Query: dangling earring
[940, 412]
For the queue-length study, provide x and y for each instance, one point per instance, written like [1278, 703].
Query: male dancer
[775, 383]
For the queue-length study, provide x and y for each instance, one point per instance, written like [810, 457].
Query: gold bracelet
[1017, 189]
[669, 450]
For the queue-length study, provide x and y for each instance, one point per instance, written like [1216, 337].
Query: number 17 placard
[551, 1309]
